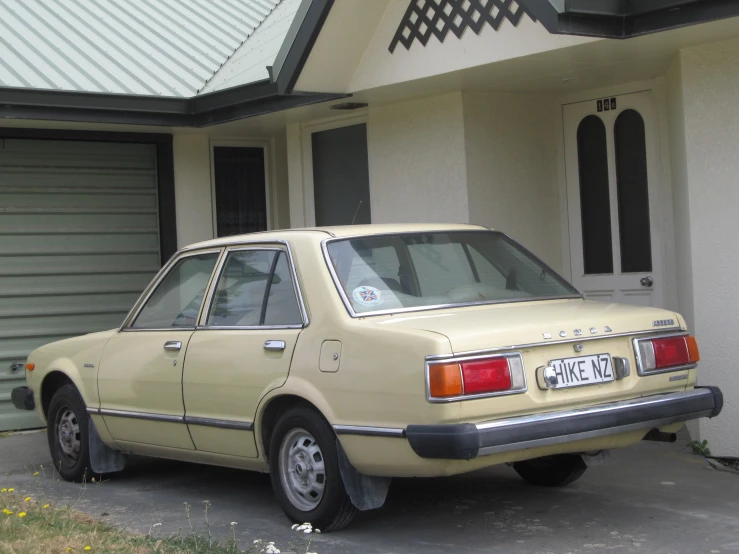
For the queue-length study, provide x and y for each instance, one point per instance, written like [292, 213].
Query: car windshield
[384, 273]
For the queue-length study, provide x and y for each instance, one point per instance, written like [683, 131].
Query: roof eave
[200, 111]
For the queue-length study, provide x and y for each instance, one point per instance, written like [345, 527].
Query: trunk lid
[473, 328]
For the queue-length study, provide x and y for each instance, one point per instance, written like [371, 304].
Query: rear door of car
[243, 347]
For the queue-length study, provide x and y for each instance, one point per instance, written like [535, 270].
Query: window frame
[355, 315]
[220, 266]
[133, 314]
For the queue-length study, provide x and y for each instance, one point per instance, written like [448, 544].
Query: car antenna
[357, 212]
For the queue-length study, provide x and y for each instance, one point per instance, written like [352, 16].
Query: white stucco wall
[192, 188]
[512, 169]
[417, 161]
[705, 82]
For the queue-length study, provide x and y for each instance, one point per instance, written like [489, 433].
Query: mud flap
[365, 492]
[103, 459]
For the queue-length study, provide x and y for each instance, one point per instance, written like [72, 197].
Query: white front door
[613, 199]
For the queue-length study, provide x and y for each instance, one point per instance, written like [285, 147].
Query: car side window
[177, 299]
[255, 288]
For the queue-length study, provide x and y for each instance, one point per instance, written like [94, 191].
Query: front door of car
[243, 348]
[614, 199]
[140, 373]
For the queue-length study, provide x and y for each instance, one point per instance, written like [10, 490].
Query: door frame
[658, 97]
[309, 204]
[266, 146]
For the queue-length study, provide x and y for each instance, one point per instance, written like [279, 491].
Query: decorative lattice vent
[425, 18]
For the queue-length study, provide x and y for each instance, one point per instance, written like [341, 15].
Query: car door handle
[274, 345]
[16, 366]
[173, 345]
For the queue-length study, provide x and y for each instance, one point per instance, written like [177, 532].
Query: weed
[700, 448]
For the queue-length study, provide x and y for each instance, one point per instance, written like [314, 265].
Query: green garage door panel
[79, 240]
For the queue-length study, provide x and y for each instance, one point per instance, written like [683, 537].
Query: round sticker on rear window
[367, 296]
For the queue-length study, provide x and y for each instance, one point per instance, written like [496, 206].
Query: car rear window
[385, 273]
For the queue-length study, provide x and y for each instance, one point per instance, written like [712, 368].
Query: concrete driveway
[653, 498]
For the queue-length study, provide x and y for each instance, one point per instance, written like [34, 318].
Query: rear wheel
[552, 471]
[305, 471]
[68, 434]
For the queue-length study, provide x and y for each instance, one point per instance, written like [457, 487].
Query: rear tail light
[666, 354]
[476, 377]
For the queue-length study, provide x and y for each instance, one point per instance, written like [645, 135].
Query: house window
[595, 204]
[240, 190]
[633, 194]
[341, 176]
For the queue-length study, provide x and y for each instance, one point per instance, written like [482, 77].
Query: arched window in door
[633, 194]
[595, 204]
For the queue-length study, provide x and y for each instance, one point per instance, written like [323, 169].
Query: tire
[552, 471]
[68, 434]
[304, 445]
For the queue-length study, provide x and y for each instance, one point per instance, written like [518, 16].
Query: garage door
[79, 240]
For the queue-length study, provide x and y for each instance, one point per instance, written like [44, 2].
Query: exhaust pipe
[658, 436]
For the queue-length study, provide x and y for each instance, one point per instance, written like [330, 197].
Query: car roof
[342, 231]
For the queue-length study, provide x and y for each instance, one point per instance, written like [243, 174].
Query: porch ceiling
[595, 64]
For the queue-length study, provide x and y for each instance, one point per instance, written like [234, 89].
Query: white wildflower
[257, 541]
[307, 531]
[305, 528]
[233, 523]
[157, 525]
[272, 549]
[294, 527]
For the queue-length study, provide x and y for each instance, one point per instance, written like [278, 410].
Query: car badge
[563, 333]
[578, 332]
[663, 322]
[607, 329]
[547, 335]
[593, 330]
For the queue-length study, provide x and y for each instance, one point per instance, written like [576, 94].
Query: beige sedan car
[339, 358]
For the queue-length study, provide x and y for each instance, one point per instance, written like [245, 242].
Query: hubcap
[68, 434]
[302, 469]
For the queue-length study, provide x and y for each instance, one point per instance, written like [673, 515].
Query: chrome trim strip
[589, 434]
[236, 240]
[599, 409]
[220, 423]
[93, 411]
[142, 415]
[518, 355]
[365, 431]
[437, 357]
[154, 283]
[352, 313]
[245, 327]
[658, 335]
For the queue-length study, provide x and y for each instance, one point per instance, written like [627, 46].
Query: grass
[28, 526]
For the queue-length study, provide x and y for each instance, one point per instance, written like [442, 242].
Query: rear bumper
[466, 441]
[22, 398]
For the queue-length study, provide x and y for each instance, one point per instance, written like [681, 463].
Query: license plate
[583, 370]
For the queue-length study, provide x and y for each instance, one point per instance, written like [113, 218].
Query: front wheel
[68, 434]
[305, 471]
[552, 471]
